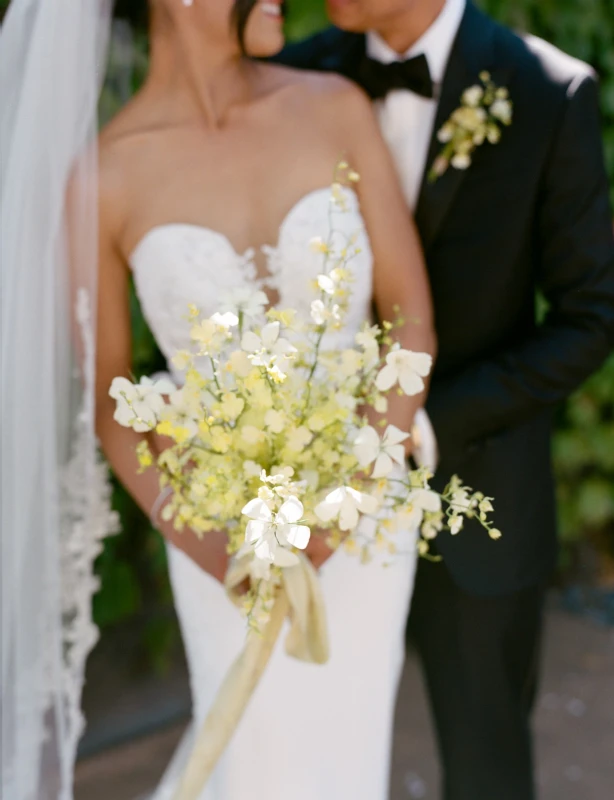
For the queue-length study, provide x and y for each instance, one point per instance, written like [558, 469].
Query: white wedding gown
[310, 732]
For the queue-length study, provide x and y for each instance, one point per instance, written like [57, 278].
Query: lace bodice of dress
[176, 264]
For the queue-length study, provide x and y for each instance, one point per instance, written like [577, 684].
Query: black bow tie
[413, 74]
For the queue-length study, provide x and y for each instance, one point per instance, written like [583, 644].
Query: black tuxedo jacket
[532, 212]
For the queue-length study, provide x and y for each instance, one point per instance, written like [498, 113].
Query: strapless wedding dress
[310, 732]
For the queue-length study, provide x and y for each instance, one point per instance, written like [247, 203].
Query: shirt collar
[436, 43]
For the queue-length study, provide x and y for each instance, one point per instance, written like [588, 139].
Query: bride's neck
[201, 80]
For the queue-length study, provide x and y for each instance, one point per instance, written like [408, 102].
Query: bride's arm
[400, 279]
[401, 286]
[114, 347]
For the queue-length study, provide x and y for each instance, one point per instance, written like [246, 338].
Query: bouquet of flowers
[276, 437]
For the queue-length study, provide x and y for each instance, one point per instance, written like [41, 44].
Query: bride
[212, 180]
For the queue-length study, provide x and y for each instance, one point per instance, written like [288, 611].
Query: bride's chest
[240, 188]
[177, 264]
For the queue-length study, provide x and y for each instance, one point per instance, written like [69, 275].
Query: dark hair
[240, 17]
[136, 12]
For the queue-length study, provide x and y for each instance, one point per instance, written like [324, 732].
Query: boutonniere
[485, 109]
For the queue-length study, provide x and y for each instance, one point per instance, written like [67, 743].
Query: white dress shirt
[407, 119]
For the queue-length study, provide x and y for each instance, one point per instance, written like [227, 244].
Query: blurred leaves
[582, 28]
[305, 17]
[584, 459]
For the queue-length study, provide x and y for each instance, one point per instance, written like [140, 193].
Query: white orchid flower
[347, 504]
[274, 420]
[327, 284]
[455, 523]
[138, 405]
[446, 133]
[351, 363]
[324, 314]
[278, 477]
[210, 335]
[461, 161]
[367, 340]
[271, 536]
[319, 313]
[502, 109]
[461, 500]
[419, 501]
[493, 134]
[252, 469]
[368, 447]
[297, 439]
[346, 400]
[470, 118]
[252, 435]
[473, 96]
[318, 245]
[265, 348]
[425, 499]
[184, 411]
[239, 364]
[225, 320]
[407, 368]
[246, 302]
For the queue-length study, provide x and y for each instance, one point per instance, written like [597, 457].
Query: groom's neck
[405, 29]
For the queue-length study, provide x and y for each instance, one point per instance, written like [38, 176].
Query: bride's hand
[317, 550]
[159, 443]
[209, 551]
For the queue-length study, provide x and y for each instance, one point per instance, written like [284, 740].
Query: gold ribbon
[299, 598]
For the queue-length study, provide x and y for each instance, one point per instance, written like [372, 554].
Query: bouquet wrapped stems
[232, 700]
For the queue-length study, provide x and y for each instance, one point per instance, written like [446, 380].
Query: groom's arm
[577, 278]
[308, 53]
[325, 51]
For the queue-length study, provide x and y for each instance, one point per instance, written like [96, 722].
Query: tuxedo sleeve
[576, 275]
[313, 53]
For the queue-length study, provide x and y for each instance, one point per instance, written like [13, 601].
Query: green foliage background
[133, 566]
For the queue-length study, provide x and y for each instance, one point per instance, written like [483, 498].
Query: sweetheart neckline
[155, 229]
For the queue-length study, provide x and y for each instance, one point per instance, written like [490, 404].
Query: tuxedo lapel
[471, 54]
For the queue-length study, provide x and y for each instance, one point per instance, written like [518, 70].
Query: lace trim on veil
[86, 520]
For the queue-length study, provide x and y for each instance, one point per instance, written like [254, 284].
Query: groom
[530, 212]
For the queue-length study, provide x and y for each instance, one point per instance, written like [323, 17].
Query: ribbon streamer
[299, 598]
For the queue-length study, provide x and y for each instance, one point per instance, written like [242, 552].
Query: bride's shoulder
[325, 93]
[122, 137]
[332, 103]
[123, 150]
[119, 153]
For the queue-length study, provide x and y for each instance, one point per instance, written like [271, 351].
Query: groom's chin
[347, 15]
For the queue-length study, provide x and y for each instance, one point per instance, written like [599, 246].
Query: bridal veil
[55, 508]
